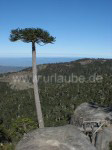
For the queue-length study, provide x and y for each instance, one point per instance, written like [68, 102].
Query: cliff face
[55, 138]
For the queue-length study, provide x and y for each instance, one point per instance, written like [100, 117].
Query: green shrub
[22, 126]
[7, 147]
[4, 135]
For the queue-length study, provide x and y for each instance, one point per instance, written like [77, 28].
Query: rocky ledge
[55, 138]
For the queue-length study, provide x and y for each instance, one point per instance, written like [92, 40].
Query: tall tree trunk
[35, 83]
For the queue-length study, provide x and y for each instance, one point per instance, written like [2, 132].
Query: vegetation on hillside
[59, 99]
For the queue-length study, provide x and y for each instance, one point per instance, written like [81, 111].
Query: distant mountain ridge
[82, 61]
[17, 64]
[26, 62]
[6, 69]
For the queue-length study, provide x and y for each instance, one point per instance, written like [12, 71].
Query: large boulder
[104, 138]
[55, 138]
[92, 112]
[89, 112]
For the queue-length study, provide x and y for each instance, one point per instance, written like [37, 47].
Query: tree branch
[42, 44]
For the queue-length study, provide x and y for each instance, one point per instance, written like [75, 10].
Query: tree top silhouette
[34, 35]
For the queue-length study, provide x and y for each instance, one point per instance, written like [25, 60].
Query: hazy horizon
[27, 62]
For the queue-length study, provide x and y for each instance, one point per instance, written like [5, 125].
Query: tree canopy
[35, 35]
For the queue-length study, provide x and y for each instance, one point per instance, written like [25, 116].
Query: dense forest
[62, 87]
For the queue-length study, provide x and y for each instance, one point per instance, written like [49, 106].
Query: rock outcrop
[91, 112]
[55, 138]
[88, 111]
[103, 139]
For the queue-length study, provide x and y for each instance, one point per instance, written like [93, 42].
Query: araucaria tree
[39, 36]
